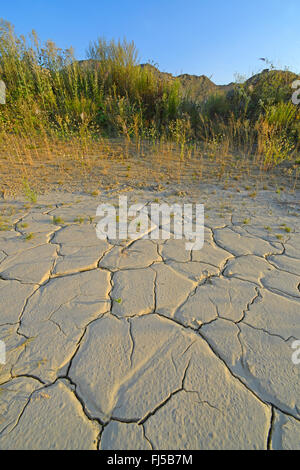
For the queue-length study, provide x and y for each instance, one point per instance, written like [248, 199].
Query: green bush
[216, 105]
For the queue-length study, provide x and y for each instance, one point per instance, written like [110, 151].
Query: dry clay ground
[144, 345]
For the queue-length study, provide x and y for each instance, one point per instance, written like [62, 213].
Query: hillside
[195, 87]
[200, 87]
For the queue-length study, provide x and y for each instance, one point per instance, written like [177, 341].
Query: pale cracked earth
[144, 345]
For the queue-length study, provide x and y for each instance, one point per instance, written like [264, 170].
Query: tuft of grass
[4, 228]
[181, 193]
[30, 195]
[79, 220]
[29, 236]
[57, 220]
[4, 225]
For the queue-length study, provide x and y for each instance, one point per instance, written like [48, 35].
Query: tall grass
[54, 101]
[109, 93]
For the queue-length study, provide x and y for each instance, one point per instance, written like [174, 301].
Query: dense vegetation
[110, 94]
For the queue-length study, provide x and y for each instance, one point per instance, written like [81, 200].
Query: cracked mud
[142, 344]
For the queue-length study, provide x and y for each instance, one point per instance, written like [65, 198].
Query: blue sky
[217, 38]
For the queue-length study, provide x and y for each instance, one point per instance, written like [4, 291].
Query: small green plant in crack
[267, 227]
[24, 225]
[279, 237]
[246, 221]
[57, 220]
[4, 226]
[29, 236]
[288, 229]
[79, 220]
[30, 195]
[119, 301]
